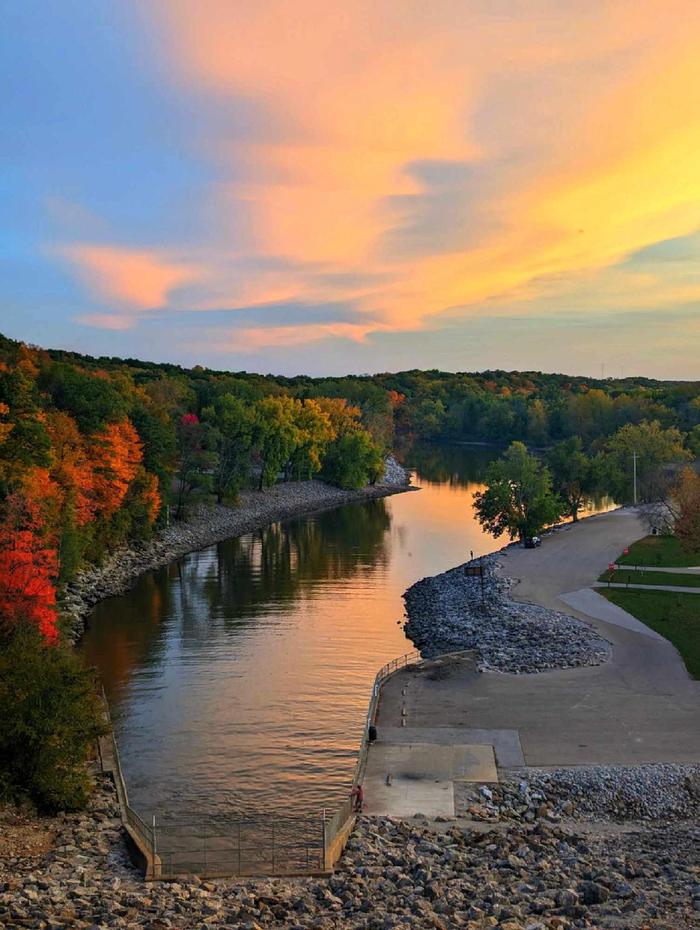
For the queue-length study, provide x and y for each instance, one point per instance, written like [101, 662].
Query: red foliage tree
[28, 568]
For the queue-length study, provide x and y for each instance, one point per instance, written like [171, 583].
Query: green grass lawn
[659, 551]
[675, 616]
[652, 577]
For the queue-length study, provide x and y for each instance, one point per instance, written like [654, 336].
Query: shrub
[50, 717]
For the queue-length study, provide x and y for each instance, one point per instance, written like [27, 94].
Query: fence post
[273, 847]
[324, 835]
[204, 842]
[154, 844]
[239, 848]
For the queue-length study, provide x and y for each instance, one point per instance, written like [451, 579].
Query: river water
[239, 677]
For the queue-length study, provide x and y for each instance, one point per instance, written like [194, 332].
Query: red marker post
[611, 568]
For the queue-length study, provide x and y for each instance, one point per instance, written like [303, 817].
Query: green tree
[160, 443]
[50, 717]
[28, 443]
[275, 435]
[233, 422]
[518, 499]
[537, 423]
[91, 400]
[198, 460]
[575, 475]
[654, 448]
[694, 441]
[428, 417]
[353, 461]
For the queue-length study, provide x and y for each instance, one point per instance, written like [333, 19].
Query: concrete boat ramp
[419, 769]
[443, 723]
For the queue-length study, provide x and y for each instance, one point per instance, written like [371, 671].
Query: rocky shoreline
[617, 793]
[447, 613]
[394, 875]
[206, 526]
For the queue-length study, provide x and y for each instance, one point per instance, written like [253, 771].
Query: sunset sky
[322, 187]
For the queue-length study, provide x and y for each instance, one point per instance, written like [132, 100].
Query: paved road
[640, 706]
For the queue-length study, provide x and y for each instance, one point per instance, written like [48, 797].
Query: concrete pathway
[591, 604]
[640, 706]
[659, 568]
[677, 588]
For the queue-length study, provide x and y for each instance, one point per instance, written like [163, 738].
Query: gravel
[206, 526]
[394, 876]
[446, 613]
[658, 791]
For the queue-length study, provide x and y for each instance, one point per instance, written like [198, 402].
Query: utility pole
[634, 474]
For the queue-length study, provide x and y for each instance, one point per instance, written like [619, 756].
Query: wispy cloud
[141, 279]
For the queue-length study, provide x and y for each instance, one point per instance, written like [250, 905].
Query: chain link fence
[240, 846]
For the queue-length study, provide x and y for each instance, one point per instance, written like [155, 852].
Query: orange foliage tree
[117, 452]
[687, 496]
[71, 466]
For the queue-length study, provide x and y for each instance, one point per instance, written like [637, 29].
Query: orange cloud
[573, 129]
[254, 338]
[140, 279]
[106, 321]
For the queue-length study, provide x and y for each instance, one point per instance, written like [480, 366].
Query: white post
[634, 472]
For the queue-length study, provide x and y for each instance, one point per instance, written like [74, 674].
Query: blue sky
[321, 187]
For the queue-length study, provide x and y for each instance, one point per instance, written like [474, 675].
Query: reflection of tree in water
[286, 561]
[457, 465]
[226, 587]
[125, 632]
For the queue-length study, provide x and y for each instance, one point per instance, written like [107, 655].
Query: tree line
[644, 463]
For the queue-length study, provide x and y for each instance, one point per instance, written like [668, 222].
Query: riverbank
[397, 875]
[453, 611]
[208, 525]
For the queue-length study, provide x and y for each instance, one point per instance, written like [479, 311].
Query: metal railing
[256, 845]
[242, 847]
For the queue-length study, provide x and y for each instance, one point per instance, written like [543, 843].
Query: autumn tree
[686, 494]
[316, 432]
[117, 454]
[28, 570]
[197, 459]
[275, 435]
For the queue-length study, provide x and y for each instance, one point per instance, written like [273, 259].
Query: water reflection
[239, 677]
[458, 465]
[224, 589]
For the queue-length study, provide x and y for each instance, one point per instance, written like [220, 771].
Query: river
[238, 678]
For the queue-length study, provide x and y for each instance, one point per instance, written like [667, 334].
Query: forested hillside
[94, 452]
[489, 406]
